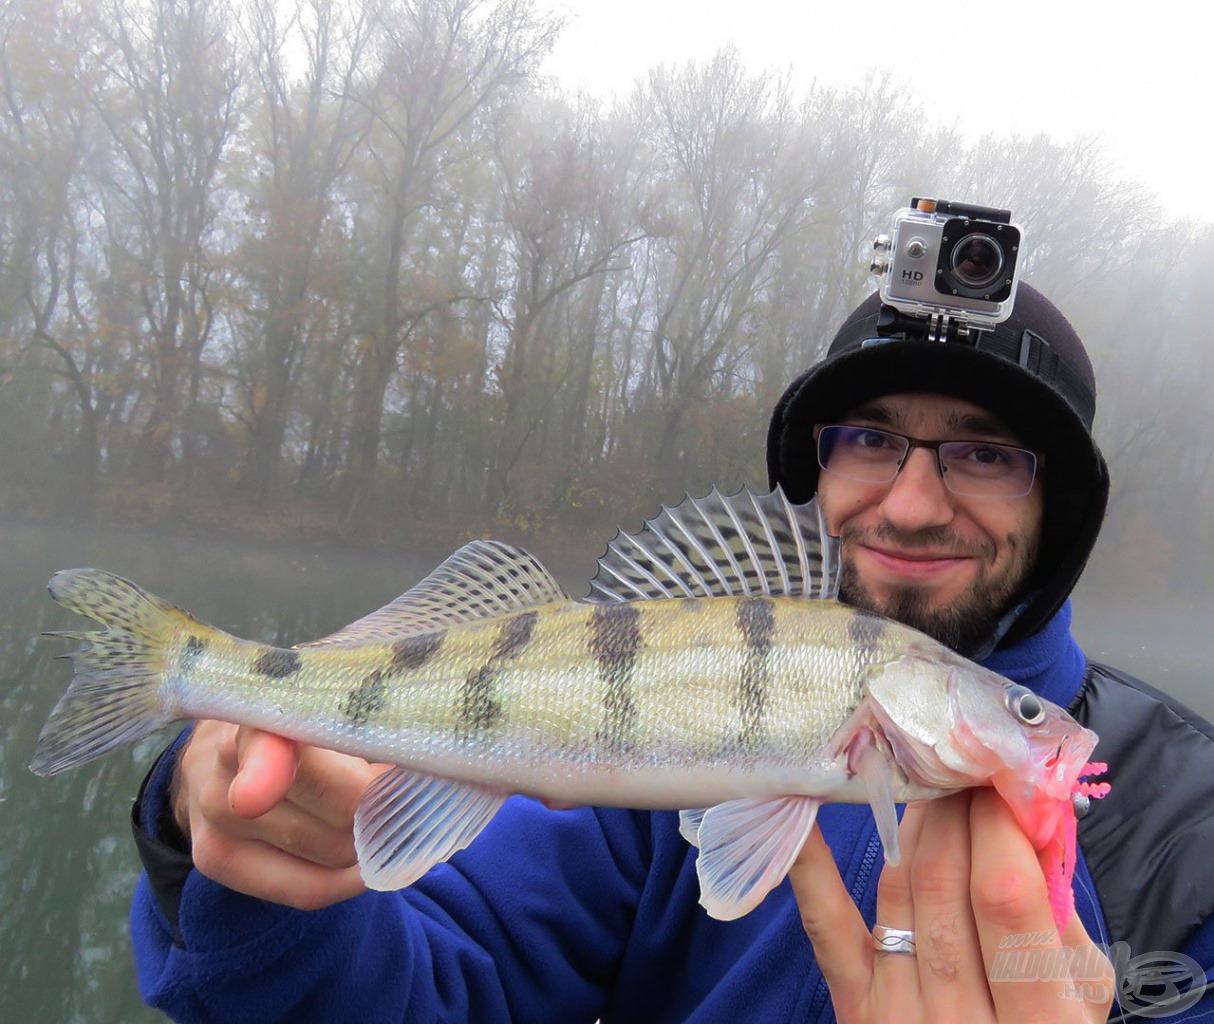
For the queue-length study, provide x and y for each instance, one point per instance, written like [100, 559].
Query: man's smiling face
[944, 563]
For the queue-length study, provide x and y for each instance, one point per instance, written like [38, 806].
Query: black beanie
[1031, 371]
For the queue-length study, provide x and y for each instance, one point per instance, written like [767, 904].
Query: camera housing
[950, 260]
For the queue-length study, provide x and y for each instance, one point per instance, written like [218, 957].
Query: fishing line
[1203, 984]
[1097, 913]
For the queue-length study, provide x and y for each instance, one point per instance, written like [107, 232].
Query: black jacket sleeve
[164, 851]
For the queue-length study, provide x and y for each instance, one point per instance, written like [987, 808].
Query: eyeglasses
[980, 469]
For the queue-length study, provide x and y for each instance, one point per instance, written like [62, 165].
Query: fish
[712, 670]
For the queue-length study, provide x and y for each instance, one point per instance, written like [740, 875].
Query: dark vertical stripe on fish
[479, 707]
[408, 654]
[757, 623]
[193, 648]
[413, 652]
[277, 663]
[865, 631]
[515, 635]
[615, 641]
[365, 699]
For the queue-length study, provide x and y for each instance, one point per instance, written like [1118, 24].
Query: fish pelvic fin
[723, 546]
[746, 849]
[117, 694]
[689, 824]
[482, 580]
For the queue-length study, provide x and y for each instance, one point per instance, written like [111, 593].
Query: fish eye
[1025, 705]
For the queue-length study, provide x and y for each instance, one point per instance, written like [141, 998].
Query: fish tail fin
[117, 694]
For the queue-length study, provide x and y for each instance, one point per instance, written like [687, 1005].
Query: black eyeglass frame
[1037, 459]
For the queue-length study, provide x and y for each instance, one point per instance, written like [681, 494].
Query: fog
[356, 271]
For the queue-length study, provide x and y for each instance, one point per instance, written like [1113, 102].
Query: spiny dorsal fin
[481, 580]
[719, 546]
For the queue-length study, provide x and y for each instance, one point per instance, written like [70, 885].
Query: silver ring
[893, 940]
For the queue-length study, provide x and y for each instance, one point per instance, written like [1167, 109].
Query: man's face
[946, 564]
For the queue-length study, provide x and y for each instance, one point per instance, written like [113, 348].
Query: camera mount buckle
[943, 327]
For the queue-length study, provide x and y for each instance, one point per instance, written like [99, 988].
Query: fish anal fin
[407, 822]
[746, 849]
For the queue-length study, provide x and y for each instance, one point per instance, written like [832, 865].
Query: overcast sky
[1135, 75]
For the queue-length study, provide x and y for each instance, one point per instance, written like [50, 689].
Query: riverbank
[162, 510]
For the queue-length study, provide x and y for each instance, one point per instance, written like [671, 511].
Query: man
[970, 516]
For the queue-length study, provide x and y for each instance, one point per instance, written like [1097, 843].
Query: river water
[67, 866]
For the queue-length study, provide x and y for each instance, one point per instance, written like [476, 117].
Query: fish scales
[687, 687]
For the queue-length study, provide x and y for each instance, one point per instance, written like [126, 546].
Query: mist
[355, 271]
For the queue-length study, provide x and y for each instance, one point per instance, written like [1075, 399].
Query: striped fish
[713, 671]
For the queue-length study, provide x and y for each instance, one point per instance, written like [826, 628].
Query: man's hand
[968, 884]
[270, 817]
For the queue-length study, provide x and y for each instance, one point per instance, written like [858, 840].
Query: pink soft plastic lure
[1057, 856]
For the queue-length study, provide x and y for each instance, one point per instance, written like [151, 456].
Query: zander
[712, 672]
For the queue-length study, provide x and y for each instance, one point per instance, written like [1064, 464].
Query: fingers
[284, 827]
[968, 883]
[329, 785]
[861, 981]
[270, 817]
[324, 783]
[1009, 899]
[896, 975]
[840, 938]
[260, 870]
[266, 770]
[952, 972]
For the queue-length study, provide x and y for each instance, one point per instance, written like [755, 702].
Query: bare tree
[737, 186]
[169, 101]
[444, 62]
[311, 127]
[568, 220]
[43, 123]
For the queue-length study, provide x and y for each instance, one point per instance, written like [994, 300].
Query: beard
[968, 621]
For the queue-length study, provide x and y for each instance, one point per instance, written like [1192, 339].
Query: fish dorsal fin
[719, 546]
[482, 580]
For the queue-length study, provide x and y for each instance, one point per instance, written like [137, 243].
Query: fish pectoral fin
[407, 822]
[877, 770]
[746, 849]
[689, 825]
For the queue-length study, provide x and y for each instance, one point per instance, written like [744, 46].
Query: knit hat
[1031, 371]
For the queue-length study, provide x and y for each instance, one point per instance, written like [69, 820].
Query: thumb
[266, 769]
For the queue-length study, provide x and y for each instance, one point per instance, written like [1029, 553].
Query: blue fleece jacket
[548, 916]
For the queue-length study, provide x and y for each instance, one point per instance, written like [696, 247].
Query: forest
[357, 270]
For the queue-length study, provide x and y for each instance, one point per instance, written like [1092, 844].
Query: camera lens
[977, 261]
